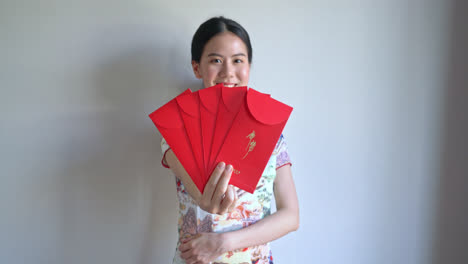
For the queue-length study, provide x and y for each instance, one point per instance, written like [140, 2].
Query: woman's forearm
[265, 230]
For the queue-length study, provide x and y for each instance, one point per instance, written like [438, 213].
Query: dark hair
[211, 28]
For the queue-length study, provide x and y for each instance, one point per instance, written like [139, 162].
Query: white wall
[81, 178]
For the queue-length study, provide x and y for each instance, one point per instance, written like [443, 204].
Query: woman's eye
[238, 61]
[216, 60]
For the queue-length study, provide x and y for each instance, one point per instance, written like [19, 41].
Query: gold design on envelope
[252, 143]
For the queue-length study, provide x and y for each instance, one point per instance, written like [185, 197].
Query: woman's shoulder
[280, 145]
[281, 153]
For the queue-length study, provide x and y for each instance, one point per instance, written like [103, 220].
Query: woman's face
[224, 60]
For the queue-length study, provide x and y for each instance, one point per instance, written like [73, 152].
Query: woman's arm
[207, 246]
[276, 225]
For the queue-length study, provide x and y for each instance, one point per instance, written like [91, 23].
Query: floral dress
[249, 209]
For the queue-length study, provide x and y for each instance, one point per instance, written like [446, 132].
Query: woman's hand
[218, 197]
[202, 248]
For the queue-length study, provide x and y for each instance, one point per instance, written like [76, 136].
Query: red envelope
[170, 124]
[252, 138]
[189, 105]
[209, 100]
[229, 104]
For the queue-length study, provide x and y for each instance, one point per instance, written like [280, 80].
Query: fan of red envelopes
[239, 126]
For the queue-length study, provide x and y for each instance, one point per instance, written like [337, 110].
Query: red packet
[170, 124]
[229, 103]
[252, 138]
[209, 101]
[189, 106]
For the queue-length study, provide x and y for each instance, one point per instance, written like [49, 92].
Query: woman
[226, 224]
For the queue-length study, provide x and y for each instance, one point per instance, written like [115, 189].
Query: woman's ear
[196, 69]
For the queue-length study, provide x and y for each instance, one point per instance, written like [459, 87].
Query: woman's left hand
[202, 248]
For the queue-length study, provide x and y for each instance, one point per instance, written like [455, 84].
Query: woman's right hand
[218, 197]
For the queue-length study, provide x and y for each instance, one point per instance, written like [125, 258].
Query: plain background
[377, 135]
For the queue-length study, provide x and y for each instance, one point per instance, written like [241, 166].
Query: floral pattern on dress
[249, 209]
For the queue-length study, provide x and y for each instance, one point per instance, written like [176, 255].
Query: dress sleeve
[282, 156]
[164, 148]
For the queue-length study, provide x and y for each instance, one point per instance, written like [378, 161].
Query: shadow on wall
[451, 238]
[115, 188]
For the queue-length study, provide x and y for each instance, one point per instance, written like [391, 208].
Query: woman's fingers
[217, 197]
[228, 203]
[232, 207]
[184, 247]
[186, 255]
[222, 185]
[210, 186]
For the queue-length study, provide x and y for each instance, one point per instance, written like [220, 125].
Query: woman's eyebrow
[214, 54]
[219, 55]
[239, 54]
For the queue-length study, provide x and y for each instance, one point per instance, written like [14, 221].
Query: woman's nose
[226, 70]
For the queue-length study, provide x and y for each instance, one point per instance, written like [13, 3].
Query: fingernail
[229, 168]
[221, 165]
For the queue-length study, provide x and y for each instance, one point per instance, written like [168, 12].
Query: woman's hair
[211, 28]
